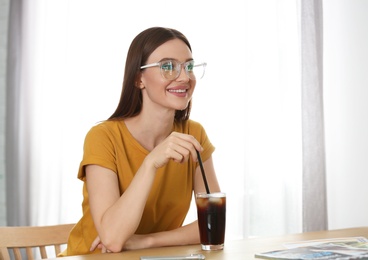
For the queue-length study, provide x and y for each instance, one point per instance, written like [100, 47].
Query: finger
[186, 149]
[181, 160]
[177, 157]
[190, 139]
[178, 153]
[95, 243]
[189, 142]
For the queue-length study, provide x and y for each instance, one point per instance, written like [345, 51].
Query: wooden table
[238, 249]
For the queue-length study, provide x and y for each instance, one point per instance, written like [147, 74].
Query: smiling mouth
[177, 90]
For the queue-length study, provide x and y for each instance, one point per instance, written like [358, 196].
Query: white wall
[346, 110]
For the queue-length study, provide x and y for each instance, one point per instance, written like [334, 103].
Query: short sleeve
[99, 149]
[198, 131]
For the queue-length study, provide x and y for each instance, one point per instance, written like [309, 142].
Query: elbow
[113, 240]
[115, 249]
[113, 245]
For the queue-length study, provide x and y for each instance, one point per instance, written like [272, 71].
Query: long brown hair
[142, 46]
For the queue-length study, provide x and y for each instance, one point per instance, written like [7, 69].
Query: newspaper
[347, 248]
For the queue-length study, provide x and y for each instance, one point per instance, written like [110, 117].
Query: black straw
[203, 173]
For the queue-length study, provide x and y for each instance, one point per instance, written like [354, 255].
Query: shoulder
[189, 126]
[108, 126]
[105, 130]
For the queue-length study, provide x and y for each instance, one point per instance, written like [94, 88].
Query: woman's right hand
[177, 146]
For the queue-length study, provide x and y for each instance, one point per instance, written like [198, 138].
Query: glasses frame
[159, 64]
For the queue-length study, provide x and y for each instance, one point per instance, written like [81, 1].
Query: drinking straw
[203, 173]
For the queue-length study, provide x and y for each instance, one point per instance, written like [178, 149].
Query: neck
[150, 130]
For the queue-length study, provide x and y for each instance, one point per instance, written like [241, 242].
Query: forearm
[185, 235]
[121, 220]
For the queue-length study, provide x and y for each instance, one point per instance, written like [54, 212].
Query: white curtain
[18, 134]
[65, 75]
[314, 172]
[273, 114]
[4, 16]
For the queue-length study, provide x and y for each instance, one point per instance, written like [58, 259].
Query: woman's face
[161, 92]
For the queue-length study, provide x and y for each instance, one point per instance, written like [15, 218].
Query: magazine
[348, 248]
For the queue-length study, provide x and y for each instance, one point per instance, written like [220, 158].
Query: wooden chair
[39, 237]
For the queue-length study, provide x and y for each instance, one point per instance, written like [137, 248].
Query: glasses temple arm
[200, 64]
[150, 65]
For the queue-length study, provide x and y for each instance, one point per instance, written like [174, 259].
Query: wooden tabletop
[236, 249]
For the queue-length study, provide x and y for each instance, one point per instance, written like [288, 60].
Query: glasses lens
[170, 69]
[195, 71]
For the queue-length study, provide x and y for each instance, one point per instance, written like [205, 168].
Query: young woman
[140, 166]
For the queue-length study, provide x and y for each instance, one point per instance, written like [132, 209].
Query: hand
[97, 244]
[177, 146]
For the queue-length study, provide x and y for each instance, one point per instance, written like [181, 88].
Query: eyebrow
[189, 59]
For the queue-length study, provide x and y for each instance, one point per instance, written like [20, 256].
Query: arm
[185, 235]
[109, 210]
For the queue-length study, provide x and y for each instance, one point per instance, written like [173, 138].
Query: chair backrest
[39, 237]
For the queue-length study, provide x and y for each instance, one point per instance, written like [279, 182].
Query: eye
[167, 66]
[190, 66]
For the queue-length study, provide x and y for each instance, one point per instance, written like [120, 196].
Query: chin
[181, 108]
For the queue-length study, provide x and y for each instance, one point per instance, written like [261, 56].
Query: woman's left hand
[97, 244]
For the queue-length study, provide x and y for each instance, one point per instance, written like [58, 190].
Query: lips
[179, 91]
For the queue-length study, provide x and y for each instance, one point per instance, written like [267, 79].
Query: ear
[138, 82]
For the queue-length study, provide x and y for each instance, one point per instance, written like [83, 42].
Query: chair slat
[4, 254]
[57, 249]
[17, 254]
[43, 252]
[29, 253]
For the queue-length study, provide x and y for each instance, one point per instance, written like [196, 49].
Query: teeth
[178, 90]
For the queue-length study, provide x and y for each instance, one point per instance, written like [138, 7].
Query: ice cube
[202, 202]
[218, 201]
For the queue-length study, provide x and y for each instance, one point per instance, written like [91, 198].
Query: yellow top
[110, 144]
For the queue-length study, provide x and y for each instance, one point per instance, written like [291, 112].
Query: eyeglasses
[171, 69]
